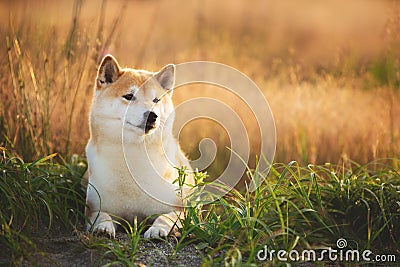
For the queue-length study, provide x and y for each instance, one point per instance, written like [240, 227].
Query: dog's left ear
[166, 77]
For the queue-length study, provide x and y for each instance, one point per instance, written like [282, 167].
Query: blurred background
[330, 70]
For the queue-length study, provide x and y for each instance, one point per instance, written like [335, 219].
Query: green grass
[294, 208]
[37, 197]
[302, 208]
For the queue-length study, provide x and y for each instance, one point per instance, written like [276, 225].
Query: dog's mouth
[145, 126]
[149, 122]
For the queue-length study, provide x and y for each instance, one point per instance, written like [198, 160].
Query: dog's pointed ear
[108, 72]
[166, 77]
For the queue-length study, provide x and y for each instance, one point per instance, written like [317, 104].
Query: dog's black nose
[150, 117]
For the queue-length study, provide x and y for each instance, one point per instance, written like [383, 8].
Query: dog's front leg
[164, 224]
[100, 222]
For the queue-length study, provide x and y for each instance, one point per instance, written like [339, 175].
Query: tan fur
[130, 170]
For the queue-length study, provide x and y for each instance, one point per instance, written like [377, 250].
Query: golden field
[330, 70]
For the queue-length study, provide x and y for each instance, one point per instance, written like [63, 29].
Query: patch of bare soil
[71, 250]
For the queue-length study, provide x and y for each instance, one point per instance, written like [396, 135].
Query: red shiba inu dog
[132, 152]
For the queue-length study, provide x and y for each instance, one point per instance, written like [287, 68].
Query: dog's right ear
[108, 72]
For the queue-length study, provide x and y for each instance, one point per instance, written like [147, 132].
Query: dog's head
[135, 101]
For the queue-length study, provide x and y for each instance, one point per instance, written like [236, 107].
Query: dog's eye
[129, 97]
[156, 100]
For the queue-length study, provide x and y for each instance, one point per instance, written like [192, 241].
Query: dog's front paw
[156, 232]
[102, 223]
[105, 227]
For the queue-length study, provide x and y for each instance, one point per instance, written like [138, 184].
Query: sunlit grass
[323, 108]
[301, 208]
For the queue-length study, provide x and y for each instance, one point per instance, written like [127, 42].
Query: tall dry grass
[47, 79]
[330, 70]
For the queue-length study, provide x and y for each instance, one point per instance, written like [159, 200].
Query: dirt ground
[70, 250]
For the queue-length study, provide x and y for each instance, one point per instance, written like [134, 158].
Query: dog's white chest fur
[130, 182]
